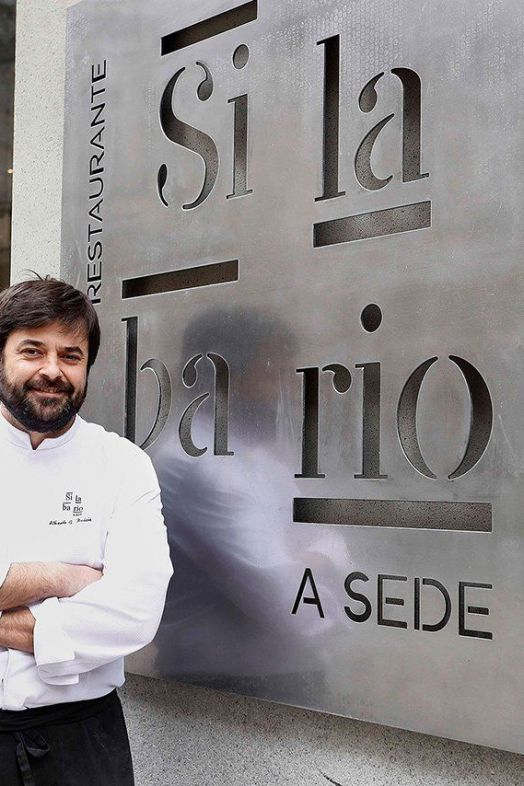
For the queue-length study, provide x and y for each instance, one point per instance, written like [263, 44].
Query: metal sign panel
[301, 225]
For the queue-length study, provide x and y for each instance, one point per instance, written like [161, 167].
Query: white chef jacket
[88, 497]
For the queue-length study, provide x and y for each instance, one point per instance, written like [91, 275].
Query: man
[84, 561]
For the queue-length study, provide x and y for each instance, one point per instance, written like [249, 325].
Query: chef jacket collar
[22, 439]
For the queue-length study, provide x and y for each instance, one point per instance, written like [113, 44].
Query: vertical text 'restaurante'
[95, 220]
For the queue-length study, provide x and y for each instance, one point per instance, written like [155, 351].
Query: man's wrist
[16, 629]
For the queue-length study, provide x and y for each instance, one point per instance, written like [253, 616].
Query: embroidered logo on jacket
[74, 507]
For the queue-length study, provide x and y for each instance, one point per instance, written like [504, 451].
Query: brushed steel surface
[357, 153]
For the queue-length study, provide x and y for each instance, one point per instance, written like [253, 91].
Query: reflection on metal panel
[336, 425]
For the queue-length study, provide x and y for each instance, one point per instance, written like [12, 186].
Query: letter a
[315, 600]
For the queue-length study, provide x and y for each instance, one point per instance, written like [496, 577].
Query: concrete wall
[39, 118]
[182, 735]
[7, 82]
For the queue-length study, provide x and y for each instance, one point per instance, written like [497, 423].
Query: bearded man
[84, 560]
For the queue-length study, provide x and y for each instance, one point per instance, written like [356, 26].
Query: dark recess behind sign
[7, 73]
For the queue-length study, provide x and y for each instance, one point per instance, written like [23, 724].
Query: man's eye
[29, 351]
[73, 357]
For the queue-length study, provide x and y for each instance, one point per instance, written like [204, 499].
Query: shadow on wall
[226, 620]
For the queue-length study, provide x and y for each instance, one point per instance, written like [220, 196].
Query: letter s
[365, 615]
[191, 138]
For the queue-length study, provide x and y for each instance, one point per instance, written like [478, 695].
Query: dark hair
[39, 301]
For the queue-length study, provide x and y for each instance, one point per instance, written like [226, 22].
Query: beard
[36, 412]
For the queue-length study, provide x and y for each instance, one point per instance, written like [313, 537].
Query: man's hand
[28, 582]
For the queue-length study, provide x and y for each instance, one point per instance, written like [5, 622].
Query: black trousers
[82, 743]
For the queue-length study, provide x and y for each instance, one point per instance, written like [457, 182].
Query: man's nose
[51, 368]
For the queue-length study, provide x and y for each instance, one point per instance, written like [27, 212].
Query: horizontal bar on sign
[175, 280]
[408, 514]
[209, 28]
[362, 226]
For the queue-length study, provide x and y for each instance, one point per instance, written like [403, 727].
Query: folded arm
[30, 582]
[27, 582]
[120, 613]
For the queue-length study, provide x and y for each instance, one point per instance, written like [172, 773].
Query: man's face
[43, 376]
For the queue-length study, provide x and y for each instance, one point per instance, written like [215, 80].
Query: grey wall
[182, 735]
[39, 114]
[7, 55]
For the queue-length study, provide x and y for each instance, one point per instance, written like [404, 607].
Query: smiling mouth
[50, 392]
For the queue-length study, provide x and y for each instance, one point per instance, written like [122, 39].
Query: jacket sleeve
[120, 613]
